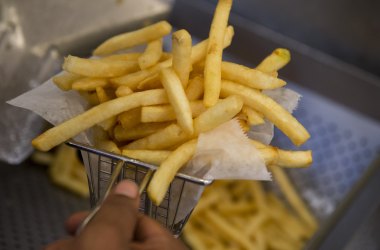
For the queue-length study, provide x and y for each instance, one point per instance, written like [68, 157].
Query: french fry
[163, 113]
[130, 118]
[253, 117]
[198, 53]
[123, 57]
[137, 132]
[177, 99]
[194, 237]
[181, 47]
[283, 158]
[212, 72]
[227, 230]
[123, 91]
[169, 167]
[194, 89]
[222, 112]
[89, 84]
[270, 109]
[293, 159]
[108, 145]
[65, 80]
[98, 67]
[104, 97]
[133, 38]
[155, 157]
[151, 55]
[102, 94]
[249, 77]
[152, 82]
[275, 61]
[291, 195]
[95, 115]
[173, 135]
[132, 80]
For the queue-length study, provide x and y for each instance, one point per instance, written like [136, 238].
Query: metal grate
[32, 209]
[344, 143]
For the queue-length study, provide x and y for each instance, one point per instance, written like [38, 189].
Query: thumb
[114, 225]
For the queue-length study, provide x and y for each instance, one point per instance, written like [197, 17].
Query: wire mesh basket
[100, 165]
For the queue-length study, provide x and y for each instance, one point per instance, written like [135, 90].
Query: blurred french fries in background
[65, 169]
[244, 215]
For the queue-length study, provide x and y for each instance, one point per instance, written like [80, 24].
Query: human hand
[117, 225]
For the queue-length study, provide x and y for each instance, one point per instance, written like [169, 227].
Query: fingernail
[127, 188]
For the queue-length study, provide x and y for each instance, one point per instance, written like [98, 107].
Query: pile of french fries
[243, 215]
[152, 106]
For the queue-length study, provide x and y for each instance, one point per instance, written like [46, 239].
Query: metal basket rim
[91, 149]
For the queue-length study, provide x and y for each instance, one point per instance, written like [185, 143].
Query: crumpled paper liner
[223, 153]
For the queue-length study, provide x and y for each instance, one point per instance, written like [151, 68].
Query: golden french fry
[163, 113]
[123, 57]
[227, 230]
[65, 80]
[98, 67]
[123, 91]
[193, 236]
[68, 172]
[173, 135]
[258, 194]
[132, 80]
[169, 167]
[220, 113]
[137, 132]
[155, 157]
[177, 99]
[253, 117]
[249, 77]
[287, 221]
[151, 55]
[283, 158]
[108, 145]
[293, 198]
[162, 139]
[181, 49]
[97, 114]
[198, 53]
[212, 72]
[102, 95]
[130, 118]
[194, 89]
[293, 159]
[151, 82]
[89, 84]
[133, 38]
[275, 61]
[270, 109]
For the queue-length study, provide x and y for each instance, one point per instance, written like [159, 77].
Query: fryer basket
[100, 166]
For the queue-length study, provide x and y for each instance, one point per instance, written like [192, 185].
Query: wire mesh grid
[99, 167]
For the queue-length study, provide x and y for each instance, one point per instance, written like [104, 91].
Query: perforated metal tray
[339, 107]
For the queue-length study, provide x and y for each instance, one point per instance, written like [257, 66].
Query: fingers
[113, 227]
[147, 228]
[59, 245]
[73, 222]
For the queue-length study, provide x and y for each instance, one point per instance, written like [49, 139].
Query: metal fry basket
[100, 165]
